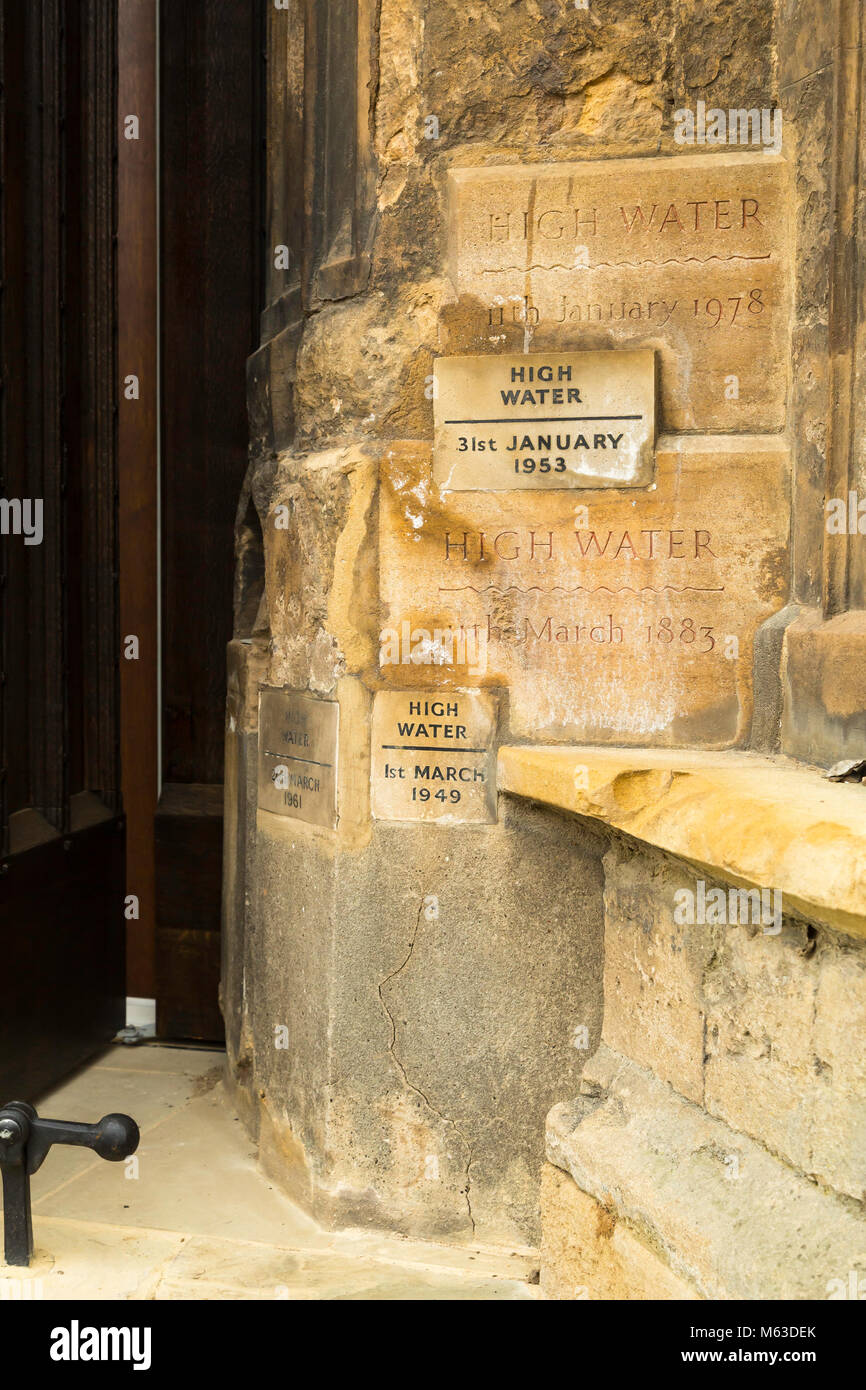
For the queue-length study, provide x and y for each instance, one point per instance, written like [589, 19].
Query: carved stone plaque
[544, 420]
[298, 756]
[621, 615]
[434, 756]
[688, 255]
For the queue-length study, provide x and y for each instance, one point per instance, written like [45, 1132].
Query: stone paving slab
[200, 1220]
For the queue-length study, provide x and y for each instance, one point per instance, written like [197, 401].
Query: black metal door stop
[24, 1143]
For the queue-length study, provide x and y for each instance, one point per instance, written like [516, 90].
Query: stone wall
[405, 1000]
[400, 1000]
[405, 1003]
[718, 1138]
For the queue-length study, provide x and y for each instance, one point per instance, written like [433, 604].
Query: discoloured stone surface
[785, 1027]
[654, 971]
[587, 1253]
[725, 1215]
[320, 569]
[740, 1019]
[824, 680]
[688, 256]
[612, 625]
[838, 1056]
[562, 60]
[431, 985]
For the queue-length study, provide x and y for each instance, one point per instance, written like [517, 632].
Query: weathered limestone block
[559, 56]
[689, 256]
[588, 1253]
[632, 623]
[247, 661]
[654, 968]
[320, 569]
[430, 982]
[724, 1215]
[760, 1072]
[786, 1023]
[363, 367]
[763, 1027]
[839, 1100]
[824, 683]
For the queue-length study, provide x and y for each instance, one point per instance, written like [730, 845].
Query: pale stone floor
[200, 1221]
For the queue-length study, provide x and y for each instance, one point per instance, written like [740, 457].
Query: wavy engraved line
[581, 588]
[635, 265]
[682, 260]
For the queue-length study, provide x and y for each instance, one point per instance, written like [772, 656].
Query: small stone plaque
[298, 756]
[544, 420]
[434, 756]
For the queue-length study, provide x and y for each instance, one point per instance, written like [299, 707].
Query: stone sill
[753, 820]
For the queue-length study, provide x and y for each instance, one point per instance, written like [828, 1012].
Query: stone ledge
[722, 1213]
[750, 819]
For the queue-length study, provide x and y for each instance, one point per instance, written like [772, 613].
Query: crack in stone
[410, 1085]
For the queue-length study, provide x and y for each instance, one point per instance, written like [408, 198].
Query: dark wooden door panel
[61, 944]
[189, 833]
[61, 859]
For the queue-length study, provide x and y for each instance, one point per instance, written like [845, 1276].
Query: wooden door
[62, 862]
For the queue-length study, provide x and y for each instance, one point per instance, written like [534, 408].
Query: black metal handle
[24, 1143]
